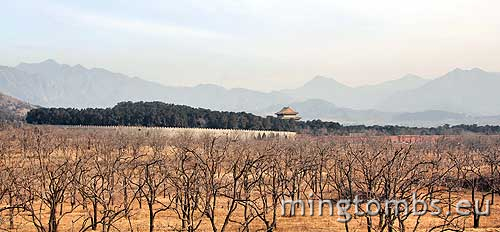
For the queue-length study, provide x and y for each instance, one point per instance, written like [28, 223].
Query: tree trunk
[52, 218]
[11, 212]
[151, 217]
[94, 214]
[476, 220]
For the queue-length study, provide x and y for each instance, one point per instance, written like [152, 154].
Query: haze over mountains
[58, 85]
[460, 96]
[472, 91]
[364, 97]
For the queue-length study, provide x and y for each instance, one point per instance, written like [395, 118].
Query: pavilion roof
[287, 111]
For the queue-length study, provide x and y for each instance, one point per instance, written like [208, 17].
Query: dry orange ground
[167, 221]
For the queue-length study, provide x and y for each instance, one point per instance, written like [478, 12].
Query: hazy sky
[257, 44]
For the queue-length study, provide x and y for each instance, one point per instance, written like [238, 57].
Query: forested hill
[169, 115]
[159, 114]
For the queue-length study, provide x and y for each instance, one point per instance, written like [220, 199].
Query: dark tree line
[157, 114]
[169, 115]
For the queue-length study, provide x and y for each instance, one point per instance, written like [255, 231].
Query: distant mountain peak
[477, 70]
[322, 81]
[210, 86]
[461, 71]
[79, 67]
[48, 64]
[411, 76]
[49, 61]
[466, 74]
[453, 73]
[320, 78]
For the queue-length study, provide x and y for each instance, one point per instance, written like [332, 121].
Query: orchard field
[55, 179]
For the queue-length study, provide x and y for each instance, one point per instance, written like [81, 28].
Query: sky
[258, 44]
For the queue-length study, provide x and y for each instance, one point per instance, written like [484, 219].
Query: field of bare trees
[52, 179]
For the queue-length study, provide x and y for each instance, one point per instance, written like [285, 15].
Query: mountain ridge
[52, 84]
[470, 91]
[361, 97]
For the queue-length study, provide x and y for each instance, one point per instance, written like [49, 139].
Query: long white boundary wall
[195, 131]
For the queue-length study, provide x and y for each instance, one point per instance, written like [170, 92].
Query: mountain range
[460, 96]
[363, 97]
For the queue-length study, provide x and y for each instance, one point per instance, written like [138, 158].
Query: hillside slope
[12, 109]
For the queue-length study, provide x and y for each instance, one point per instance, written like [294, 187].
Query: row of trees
[81, 180]
[169, 115]
[156, 114]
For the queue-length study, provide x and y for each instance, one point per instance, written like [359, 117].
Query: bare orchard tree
[151, 177]
[269, 186]
[46, 181]
[105, 163]
[489, 150]
[250, 168]
[475, 172]
[185, 178]
[10, 170]
[369, 169]
[340, 175]
[224, 164]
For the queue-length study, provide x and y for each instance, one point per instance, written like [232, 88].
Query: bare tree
[46, 181]
[151, 179]
[185, 178]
